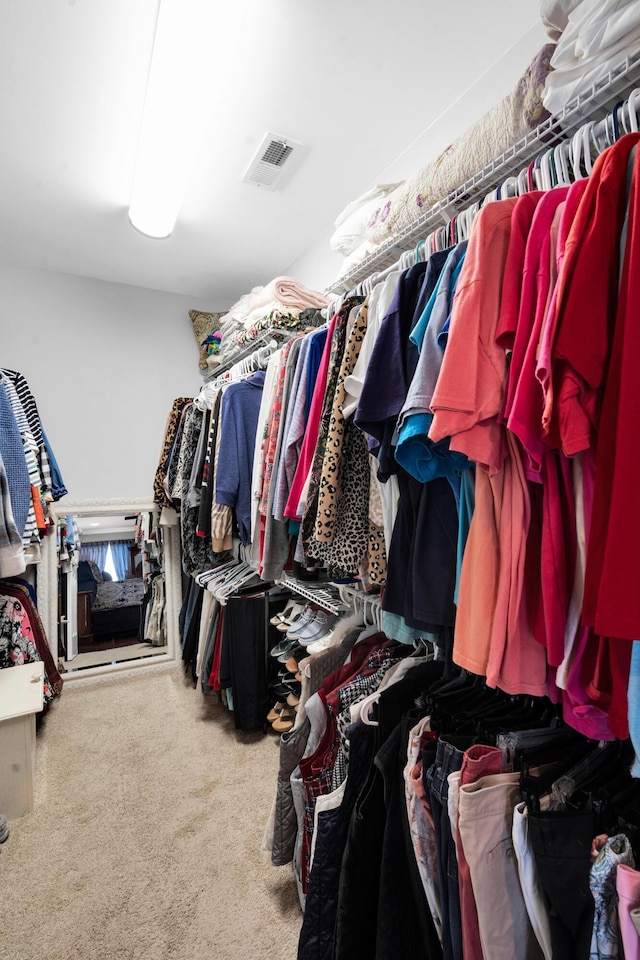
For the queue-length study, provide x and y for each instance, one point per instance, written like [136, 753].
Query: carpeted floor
[145, 840]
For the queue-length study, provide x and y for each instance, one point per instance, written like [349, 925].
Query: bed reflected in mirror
[111, 605]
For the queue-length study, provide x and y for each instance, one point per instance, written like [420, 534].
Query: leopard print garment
[335, 361]
[331, 479]
[376, 562]
[344, 555]
[173, 422]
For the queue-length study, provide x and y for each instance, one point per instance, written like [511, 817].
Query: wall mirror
[109, 586]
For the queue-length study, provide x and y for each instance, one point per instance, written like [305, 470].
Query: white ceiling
[356, 81]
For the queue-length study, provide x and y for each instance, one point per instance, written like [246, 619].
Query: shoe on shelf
[296, 611]
[320, 627]
[305, 618]
[285, 721]
[288, 615]
[283, 688]
[276, 710]
[294, 650]
[319, 646]
[282, 647]
[292, 663]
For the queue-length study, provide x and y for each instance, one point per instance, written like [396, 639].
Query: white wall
[318, 266]
[104, 362]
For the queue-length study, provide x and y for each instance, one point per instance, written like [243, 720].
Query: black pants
[245, 663]
[561, 845]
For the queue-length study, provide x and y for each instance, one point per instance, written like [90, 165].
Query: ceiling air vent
[273, 158]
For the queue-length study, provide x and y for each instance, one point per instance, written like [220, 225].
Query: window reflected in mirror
[110, 589]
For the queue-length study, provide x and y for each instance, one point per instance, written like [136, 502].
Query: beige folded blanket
[287, 291]
[505, 124]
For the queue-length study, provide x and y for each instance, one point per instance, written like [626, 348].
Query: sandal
[285, 721]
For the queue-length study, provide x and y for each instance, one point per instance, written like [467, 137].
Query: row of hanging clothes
[489, 808]
[205, 475]
[30, 478]
[430, 817]
[442, 437]
[496, 358]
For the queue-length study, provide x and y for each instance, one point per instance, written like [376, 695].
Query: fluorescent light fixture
[94, 524]
[178, 105]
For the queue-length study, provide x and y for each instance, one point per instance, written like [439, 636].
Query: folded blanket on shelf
[506, 123]
[351, 223]
[599, 34]
[555, 16]
[288, 291]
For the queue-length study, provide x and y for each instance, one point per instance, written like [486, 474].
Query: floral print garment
[602, 881]
[17, 644]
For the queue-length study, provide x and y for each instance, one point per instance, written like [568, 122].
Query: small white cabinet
[21, 697]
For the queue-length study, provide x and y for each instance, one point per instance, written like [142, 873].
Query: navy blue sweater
[240, 411]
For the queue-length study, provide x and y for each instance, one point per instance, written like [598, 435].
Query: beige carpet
[145, 840]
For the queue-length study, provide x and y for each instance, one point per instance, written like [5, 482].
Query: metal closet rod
[594, 104]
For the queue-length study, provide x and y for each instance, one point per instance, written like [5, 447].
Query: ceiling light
[94, 524]
[178, 103]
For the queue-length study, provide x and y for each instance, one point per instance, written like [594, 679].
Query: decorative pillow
[203, 324]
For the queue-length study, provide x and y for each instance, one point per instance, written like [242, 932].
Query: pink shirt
[548, 332]
[512, 286]
[524, 401]
[312, 430]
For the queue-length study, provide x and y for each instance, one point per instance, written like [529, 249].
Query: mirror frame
[47, 578]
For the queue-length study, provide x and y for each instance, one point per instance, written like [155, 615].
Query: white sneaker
[319, 646]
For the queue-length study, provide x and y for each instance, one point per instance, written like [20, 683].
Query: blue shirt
[314, 356]
[15, 463]
[234, 469]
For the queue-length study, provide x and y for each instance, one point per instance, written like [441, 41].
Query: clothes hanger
[522, 182]
[562, 154]
[633, 102]
[582, 774]
[510, 187]
[545, 172]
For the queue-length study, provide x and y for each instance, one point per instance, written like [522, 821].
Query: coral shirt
[492, 635]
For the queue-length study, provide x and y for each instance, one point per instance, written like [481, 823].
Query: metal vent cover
[272, 159]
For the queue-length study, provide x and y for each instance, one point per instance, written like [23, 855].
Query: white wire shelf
[594, 103]
[318, 595]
